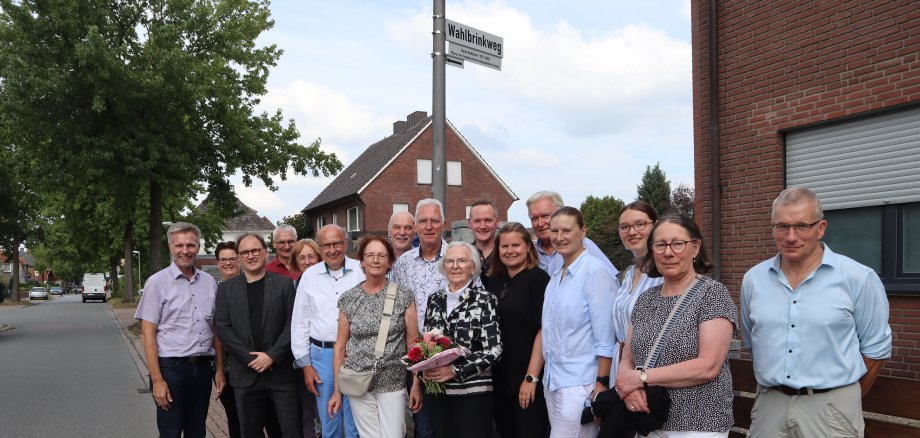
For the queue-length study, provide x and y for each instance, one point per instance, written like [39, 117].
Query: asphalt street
[65, 371]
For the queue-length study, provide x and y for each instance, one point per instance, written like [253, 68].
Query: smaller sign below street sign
[474, 56]
[455, 61]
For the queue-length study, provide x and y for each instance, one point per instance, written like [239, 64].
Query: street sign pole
[439, 95]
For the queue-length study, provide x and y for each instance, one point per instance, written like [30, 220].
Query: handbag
[620, 421]
[356, 383]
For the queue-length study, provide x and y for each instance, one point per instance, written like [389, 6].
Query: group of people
[547, 326]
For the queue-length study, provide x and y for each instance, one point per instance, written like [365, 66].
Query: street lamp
[138, 254]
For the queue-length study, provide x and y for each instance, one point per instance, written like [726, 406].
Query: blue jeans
[424, 419]
[190, 387]
[332, 427]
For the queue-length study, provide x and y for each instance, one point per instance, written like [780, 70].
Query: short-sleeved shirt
[182, 309]
[364, 312]
[276, 266]
[706, 407]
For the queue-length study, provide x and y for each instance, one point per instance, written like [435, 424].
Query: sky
[590, 93]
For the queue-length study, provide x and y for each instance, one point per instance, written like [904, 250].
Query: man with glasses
[253, 319]
[176, 312]
[315, 325]
[816, 324]
[540, 208]
[283, 239]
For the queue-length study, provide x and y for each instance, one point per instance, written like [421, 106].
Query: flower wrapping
[432, 350]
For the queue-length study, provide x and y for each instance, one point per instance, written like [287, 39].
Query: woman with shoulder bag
[377, 320]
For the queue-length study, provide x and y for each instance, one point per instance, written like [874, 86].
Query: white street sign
[475, 56]
[454, 61]
[475, 39]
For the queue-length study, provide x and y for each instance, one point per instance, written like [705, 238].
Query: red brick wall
[398, 184]
[783, 65]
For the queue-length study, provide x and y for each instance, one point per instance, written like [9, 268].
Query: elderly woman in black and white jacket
[467, 314]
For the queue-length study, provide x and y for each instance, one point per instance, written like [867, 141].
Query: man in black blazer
[253, 319]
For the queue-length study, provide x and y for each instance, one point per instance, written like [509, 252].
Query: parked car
[95, 288]
[38, 293]
[56, 290]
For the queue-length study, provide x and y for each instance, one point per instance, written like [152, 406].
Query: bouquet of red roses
[432, 350]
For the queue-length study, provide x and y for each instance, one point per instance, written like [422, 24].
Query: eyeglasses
[250, 253]
[228, 260]
[284, 242]
[639, 226]
[454, 262]
[425, 222]
[677, 246]
[371, 256]
[783, 229]
[330, 245]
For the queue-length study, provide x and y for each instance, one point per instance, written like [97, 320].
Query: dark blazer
[231, 319]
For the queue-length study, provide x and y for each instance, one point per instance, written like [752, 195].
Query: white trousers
[381, 414]
[564, 407]
[675, 434]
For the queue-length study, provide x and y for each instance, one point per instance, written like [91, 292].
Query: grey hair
[546, 194]
[330, 226]
[474, 256]
[393, 216]
[796, 195]
[283, 227]
[429, 201]
[182, 227]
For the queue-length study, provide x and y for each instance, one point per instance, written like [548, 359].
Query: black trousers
[514, 422]
[462, 416]
[256, 403]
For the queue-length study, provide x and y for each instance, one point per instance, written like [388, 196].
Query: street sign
[474, 38]
[454, 61]
[475, 56]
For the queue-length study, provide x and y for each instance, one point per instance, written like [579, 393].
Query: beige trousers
[836, 413]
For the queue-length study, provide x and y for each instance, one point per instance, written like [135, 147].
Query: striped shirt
[472, 324]
[623, 306]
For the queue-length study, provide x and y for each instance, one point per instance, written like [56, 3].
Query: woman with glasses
[380, 412]
[577, 331]
[636, 221]
[466, 314]
[693, 355]
[305, 254]
[518, 282]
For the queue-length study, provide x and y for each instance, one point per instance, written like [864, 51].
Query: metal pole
[438, 154]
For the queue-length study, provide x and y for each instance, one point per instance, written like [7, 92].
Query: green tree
[151, 102]
[602, 217]
[301, 223]
[682, 200]
[655, 188]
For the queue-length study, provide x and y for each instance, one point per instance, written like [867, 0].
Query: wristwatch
[531, 379]
[604, 380]
[643, 377]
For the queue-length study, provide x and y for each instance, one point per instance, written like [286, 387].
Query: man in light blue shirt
[540, 208]
[816, 324]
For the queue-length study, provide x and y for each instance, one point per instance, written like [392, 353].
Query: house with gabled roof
[394, 173]
[247, 221]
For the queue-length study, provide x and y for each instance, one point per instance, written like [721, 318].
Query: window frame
[348, 219]
[423, 178]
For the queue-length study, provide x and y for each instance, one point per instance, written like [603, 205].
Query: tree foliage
[655, 188]
[133, 108]
[301, 223]
[602, 217]
[682, 200]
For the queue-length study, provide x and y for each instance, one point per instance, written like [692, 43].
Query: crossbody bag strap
[678, 308]
[388, 304]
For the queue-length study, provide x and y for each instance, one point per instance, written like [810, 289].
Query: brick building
[824, 95]
[393, 174]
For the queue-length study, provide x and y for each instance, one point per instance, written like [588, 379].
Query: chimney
[416, 117]
[399, 127]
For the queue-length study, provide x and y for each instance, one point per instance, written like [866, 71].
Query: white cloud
[685, 9]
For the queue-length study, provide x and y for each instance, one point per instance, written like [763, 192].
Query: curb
[4, 328]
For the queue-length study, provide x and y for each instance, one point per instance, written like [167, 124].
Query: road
[66, 372]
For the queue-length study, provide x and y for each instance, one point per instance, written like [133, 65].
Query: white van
[95, 288]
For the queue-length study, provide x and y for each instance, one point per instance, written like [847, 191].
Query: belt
[322, 344]
[191, 359]
[800, 391]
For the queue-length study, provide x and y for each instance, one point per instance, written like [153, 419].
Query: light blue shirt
[814, 336]
[553, 262]
[182, 309]
[623, 305]
[577, 323]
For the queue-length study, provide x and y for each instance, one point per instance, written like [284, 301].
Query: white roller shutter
[866, 162]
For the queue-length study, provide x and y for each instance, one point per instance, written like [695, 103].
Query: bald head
[401, 231]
